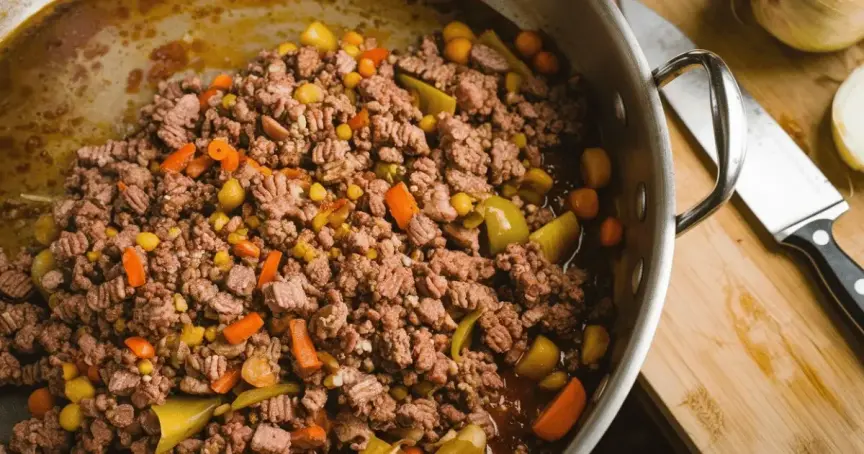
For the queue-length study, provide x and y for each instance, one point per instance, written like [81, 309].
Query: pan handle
[730, 128]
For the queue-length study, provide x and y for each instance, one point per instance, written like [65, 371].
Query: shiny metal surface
[728, 120]
[779, 183]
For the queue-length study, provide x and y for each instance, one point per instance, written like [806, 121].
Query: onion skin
[812, 25]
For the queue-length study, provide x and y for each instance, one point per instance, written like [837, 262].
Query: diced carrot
[266, 171]
[224, 383]
[561, 415]
[270, 268]
[310, 437]
[303, 348]
[219, 149]
[246, 248]
[231, 161]
[360, 120]
[93, 374]
[40, 402]
[611, 232]
[222, 82]
[334, 205]
[198, 166]
[243, 329]
[402, 205]
[411, 450]
[134, 267]
[177, 161]
[204, 98]
[140, 347]
[377, 55]
[122, 186]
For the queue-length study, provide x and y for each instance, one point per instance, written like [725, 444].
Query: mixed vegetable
[501, 220]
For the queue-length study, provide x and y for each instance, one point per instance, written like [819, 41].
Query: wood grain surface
[750, 356]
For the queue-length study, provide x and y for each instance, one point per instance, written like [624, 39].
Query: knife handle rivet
[821, 238]
[859, 286]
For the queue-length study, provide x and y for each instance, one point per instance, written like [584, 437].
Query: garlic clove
[846, 120]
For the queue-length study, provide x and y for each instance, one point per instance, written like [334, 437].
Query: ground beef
[378, 298]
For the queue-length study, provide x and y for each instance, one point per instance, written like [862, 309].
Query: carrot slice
[222, 82]
[231, 161]
[218, 149]
[377, 55]
[270, 268]
[134, 267]
[140, 347]
[243, 329]
[198, 166]
[561, 415]
[204, 98]
[303, 348]
[122, 186]
[360, 120]
[402, 205]
[224, 383]
[246, 248]
[310, 437]
[40, 402]
[411, 450]
[177, 161]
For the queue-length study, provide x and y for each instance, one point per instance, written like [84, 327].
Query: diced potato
[595, 342]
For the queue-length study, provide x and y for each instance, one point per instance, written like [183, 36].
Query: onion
[846, 125]
[812, 25]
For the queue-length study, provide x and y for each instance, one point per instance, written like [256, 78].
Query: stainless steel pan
[67, 75]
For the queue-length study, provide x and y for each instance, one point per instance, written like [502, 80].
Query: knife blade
[786, 192]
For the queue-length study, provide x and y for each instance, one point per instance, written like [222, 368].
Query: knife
[789, 195]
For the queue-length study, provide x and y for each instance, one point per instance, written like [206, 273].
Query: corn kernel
[343, 132]
[71, 417]
[145, 367]
[70, 371]
[234, 238]
[180, 304]
[342, 231]
[229, 100]
[351, 94]
[174, 232]
[221, 410]
[147, 240]
[335, 252]
[352, 79]
[512, 82]
[317, 192]
[79, 388]
[310, 255]
[429, 124]
[508, 190]
[192, 335]
[94, 256]
[462, 203]
[210, 333]
[286, 48]
[111, 232]
[352, 37]
[309, 93]
[372, 254]
[155, 167]
[354, 192]
[242, 231]
[120, 325]
[53, 300]
[473, 220]
[320, 220]
[45, 230]
[399, 392]
[253, 222]
[231, 195]
[351, 50]
[520, 140]
[218, 220]
[222, 260]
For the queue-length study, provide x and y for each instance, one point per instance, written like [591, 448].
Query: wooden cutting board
[750, 356]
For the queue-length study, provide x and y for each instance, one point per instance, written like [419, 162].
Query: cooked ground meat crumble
[382, 303]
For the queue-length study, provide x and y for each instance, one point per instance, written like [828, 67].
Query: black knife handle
[843, 277]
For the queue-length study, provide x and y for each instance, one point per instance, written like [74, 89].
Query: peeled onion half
[812, 25]
[847, 120]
